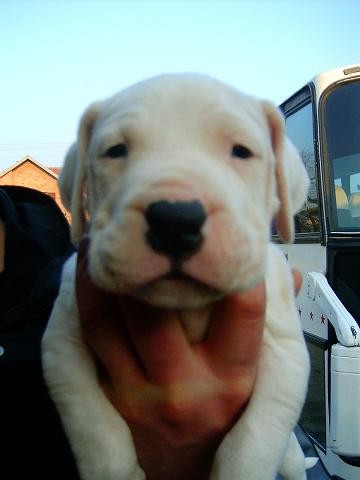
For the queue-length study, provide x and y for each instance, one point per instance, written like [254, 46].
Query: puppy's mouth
[176, 289]
[181, 278]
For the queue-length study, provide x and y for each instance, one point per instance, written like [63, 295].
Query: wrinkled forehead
[185, 101]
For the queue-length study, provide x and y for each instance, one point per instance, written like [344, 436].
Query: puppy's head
[179, 178]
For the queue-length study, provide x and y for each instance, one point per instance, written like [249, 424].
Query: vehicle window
[342, 134]
[299, 128]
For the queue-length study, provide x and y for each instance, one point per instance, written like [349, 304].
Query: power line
[33, 145]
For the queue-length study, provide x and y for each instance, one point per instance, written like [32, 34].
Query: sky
[59, 56]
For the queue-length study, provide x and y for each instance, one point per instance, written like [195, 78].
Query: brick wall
[31, 175]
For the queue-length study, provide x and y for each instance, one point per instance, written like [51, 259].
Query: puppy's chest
[196, 322]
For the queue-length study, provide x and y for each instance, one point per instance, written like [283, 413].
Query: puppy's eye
[239, 151]
[117, 151]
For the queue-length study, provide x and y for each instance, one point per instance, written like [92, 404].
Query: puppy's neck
[195, 322]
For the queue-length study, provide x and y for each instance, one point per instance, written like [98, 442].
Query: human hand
[179, 399]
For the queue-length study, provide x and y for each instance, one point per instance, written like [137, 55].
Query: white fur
[180, 130]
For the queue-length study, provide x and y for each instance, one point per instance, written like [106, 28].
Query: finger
[83, 247]
[297, 280]
[159, 340]
[102, 324]
[236, 329]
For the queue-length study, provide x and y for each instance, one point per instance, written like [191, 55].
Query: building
[30, 173]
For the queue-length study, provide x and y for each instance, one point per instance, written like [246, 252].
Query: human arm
[178, 399]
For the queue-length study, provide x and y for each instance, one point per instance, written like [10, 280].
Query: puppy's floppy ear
[73, 175]
[291, 176]
[66, 177]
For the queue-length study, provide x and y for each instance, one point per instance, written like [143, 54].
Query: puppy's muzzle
[175, 228]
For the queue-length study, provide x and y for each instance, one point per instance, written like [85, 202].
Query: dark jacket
[37, 242]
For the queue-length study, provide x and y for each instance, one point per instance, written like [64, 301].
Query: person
[35, 242]
[178, 399]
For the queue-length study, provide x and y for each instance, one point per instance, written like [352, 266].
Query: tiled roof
[56, 170]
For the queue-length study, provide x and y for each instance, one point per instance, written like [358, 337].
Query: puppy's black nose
[175, 228]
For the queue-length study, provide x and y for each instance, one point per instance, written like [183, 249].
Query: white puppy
[178, 179]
